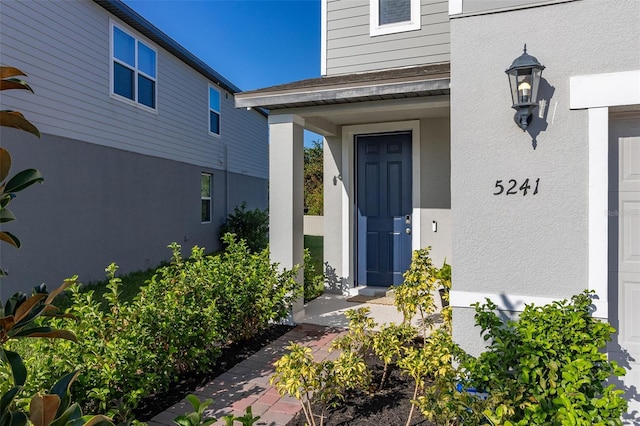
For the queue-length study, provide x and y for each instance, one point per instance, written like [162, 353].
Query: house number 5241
[512, 188]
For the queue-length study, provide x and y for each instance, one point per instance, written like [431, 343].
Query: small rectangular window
[214, 111]
[134, 68]
[394, 11]
[394, 16]
[206, 185]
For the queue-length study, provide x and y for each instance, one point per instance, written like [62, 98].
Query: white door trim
[596, 93]
[348, 180]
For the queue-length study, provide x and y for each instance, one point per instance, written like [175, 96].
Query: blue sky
[252, 43]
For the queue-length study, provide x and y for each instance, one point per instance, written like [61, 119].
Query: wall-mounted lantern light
[524, 78]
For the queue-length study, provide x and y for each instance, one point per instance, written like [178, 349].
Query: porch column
[286, 196]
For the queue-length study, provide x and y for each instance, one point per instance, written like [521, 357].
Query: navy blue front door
[383, 208]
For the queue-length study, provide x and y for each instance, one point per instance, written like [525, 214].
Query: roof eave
[267, 99]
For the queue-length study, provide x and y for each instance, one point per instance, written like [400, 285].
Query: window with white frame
[394, 16]
[134, 65]
[214, 111]
[206, 189]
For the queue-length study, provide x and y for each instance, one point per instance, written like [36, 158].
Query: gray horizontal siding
[64, 49]
[351, 49]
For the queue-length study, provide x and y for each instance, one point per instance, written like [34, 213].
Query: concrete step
[371, 291]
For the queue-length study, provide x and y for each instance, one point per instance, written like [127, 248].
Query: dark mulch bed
[389, 407]
[231, 355]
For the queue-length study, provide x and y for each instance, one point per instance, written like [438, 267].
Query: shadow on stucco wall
[333, 283]
[540, 120]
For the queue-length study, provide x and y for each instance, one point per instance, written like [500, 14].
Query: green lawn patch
[314, 267]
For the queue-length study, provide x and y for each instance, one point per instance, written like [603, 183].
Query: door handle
[408, 230]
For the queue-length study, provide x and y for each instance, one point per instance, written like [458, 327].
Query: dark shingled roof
[425, 80]
[361, 79]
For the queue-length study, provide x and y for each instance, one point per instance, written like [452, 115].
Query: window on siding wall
[134, 68]
[206, 188]
[214, 111]
[394, 16]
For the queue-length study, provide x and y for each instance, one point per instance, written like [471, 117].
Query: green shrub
[317, 382]
[439, 362]
[33, 317]
[179, 322]
[548, 367]
[114, 352]
[180, 305]
[249, 225]
[416, 294]
[313, 282]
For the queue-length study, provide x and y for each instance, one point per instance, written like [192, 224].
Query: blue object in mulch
[472, 391]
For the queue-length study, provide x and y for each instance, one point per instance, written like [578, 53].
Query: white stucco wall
[526, 248]
[435, 188]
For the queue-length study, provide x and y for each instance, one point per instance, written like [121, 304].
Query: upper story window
[134, 68]
[214, 111]
[394, 16]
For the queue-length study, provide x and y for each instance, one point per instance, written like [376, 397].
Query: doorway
[383, 207]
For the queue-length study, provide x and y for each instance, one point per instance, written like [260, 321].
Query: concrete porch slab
[329, 310]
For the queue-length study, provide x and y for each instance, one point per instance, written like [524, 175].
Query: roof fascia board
[342, 93]
[437, 101]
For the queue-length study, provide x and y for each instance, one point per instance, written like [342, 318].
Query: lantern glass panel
[535, 84]
[513, 84]
[524, 86]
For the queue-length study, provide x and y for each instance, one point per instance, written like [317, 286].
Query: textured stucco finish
[435, 188]
[286, 201]
[527, 245]
[334, 191]
[100, 205]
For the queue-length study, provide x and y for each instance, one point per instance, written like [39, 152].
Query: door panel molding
[348, 181]
[384, 199]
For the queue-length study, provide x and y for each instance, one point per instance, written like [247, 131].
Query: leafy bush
[22, 317]
[416, 294]
[236, 294]
[324, 382]
[548, 367]
[114, 353]
[313, 178]
[313, 282]
[249, 225]
[179, 321]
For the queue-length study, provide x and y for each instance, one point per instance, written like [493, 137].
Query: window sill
[133, 103]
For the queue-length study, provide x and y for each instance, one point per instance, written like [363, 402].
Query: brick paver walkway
[247, 383]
